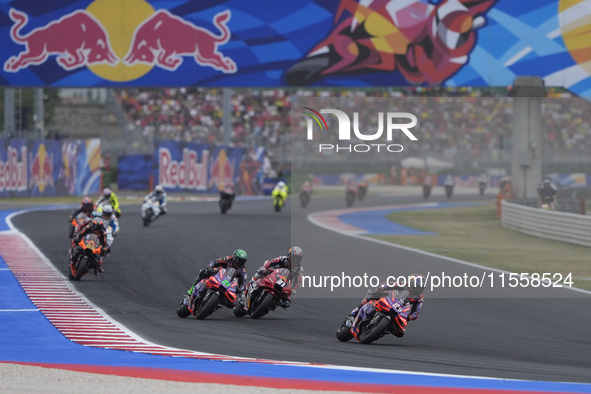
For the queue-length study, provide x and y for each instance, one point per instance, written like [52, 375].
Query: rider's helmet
[158, 191]
[239, 258]
[108, 210]
[416, 284]
[107, 192]
[97, 225]
[281, 185]
[95, 214]
[87, 204]
[546, 181]
[295, 255]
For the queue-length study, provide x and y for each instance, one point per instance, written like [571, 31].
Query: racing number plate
[281, 281]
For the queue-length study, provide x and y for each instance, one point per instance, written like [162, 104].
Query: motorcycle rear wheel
[208, 306]
[263, 306]
[373, 332]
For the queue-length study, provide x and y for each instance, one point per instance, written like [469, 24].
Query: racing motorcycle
[305, 195]
[265, 295]
[362, 190]
[221, 291]
[481, 187]
[376, 319]
[226, 200]
[88, 257]
[278, 202]
[150, 211]
[449, 189]
[426, 191]
[350, 197]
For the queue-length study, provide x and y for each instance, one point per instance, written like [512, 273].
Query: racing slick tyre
[262, 308]
[208, 305]
[374, 331]
[183, 309]
[239, 311]
[224, 206]
[81, 267]
[344, 331]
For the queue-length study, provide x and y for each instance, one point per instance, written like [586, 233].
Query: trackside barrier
[555, 225]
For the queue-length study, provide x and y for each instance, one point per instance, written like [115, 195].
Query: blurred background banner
[305, 43]
[49, 168]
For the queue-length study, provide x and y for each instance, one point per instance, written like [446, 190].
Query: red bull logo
[77, 39]
[222, 170]
[119, 40]
[13, 173]
[186, 174]
[163, 39]
[41, 169]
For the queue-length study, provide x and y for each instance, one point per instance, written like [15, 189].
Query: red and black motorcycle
[89, 252]
[265, 295]
[221, 291]
[375, 319]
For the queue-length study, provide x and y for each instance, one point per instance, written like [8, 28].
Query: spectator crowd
[454, 123]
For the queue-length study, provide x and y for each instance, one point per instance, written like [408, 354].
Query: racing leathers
[110, 199]
[277, 263]
[161, 198]
[87, 228]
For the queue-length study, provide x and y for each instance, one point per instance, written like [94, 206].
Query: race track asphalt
[541, 338]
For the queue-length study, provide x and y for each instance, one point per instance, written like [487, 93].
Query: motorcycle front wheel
[373, 331]
[208, 305]
[81, 267]
[183, 309]
[263, 306]
[224, 206]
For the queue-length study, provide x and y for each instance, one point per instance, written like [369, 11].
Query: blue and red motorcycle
[387, 315]
[220, 292]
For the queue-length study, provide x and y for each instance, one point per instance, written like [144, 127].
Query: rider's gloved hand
[203, 273]
[262, 271]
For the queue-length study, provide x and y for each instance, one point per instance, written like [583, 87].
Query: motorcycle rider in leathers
[97, 226]
[412, 294]
[292, 262]
[237, 261]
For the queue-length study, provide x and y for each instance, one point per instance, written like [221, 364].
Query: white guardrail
[559, 226]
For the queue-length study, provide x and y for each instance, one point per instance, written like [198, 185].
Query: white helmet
[159, 189]
[107, 209]
[281, 184]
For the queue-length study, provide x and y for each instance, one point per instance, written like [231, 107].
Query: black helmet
[239, 258]
[87, 204]
[416, 284]
[96, 224]
[295, 255]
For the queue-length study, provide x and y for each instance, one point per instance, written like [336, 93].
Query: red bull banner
[195, 167]
[183, 43]
[49, 168]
